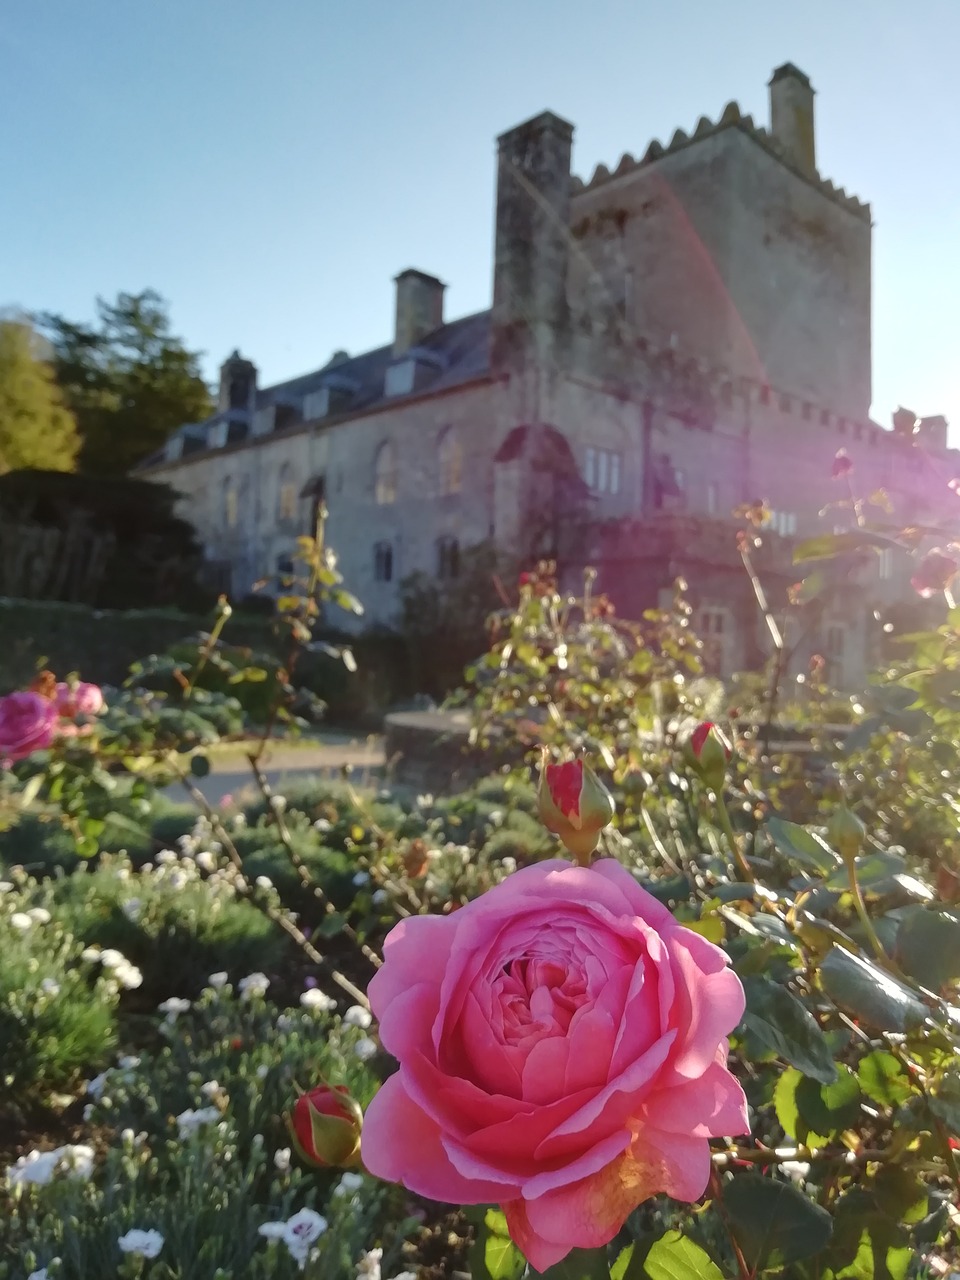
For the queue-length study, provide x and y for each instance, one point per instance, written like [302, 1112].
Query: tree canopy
[36, 429]
[129, 381]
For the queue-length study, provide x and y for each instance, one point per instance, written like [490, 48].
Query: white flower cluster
[24, 920]
[115, 966]
[315, 1000]
[38, 1167]
[298, 1233]
[189, 1121]
[253, 986]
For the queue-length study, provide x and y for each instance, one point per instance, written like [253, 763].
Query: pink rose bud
[934, 574]
[709, 751]
[28, 722]
[324, 1127]
[842, 465]
[78, 699]
[574, 805]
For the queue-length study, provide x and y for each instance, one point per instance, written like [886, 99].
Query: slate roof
[454, 354]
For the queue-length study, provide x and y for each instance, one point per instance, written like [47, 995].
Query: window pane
[590, 468]
[614, 473]
[602, 460]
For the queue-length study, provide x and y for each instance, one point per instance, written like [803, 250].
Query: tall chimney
[419, 308]
[791, 115]
[532, 240]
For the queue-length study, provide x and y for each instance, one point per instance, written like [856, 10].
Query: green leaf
[493, 1255]
[785, 1102]
[867, 1243]
[869, 994]
[883, 1079]
[800, 845]
[579, 1264]
[774, 1223]
[778, 1020]
[875, 873]
[828, 1109]
[199, 765]
[928, 946]
[674, 1257]
[31, 790]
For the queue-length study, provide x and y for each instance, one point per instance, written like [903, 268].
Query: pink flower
[79, 699]
[842, 465]
[562, 1052]
[28, 722]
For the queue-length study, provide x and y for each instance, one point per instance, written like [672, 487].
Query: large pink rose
[79, 699]
[28, 722]
[562, 1053]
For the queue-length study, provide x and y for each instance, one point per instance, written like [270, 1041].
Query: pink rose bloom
[562, 1049]
[79, 699]
[28, 722]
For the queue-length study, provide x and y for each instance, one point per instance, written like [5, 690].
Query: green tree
[36, 429]
[129, 381]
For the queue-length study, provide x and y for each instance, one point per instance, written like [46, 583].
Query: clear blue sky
[270, 165]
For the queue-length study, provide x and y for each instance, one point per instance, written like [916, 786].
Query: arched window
[385, 474]
[450, 458]
[448, 557]
[229, 503]
[286, 494]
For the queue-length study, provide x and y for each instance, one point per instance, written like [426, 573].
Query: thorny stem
[280, 918]
[743, 865]
[717, 1189]
[876, 945]
[223, 613]
[300, 867]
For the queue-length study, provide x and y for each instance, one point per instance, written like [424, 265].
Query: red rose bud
[709, 751]
[324, 1127]
[574, 805]
[934, 574]
[842, 466]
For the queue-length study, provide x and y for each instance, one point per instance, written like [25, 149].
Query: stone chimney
[419, 308]
[238, 385]
[791, 115]
[532, 241]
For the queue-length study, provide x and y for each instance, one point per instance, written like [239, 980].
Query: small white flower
[425, 801]
[264, 882]
[172, 1007]
[322, 825]
[280, 803]
[509, 865]
[189, 1121]
[21, 921]
[206, 861]
[88, 1111]
[217, 980]
[303, 1228]
[210, 1088]
[253, 985]
[496, 817]
[285, 1023]
[262, 1071]
[365, 1048]
[166, 858]
[357, 1016]
[281, 1160]
[77, 1161]
[38, 1275]
[50, 987]
[405, 1275]
[129, 976]
[35, 1167]
[379, 897]
[318, 1000]
[348, 1184]
[272, 1230]
[7, 886]
[361, 878]
[112, 959]
[39, 915]
[90, 954]
[147, 1244]
[132, 908]
[126, 1062]
[368, 1268]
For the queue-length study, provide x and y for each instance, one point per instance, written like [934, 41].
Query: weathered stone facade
[678, 336]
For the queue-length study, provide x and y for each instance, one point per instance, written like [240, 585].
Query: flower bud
[845, 833]
[575, 805]
[709, 752]
[324, 1127]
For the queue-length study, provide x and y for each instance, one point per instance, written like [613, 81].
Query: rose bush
[81, 698]
[562, 1052]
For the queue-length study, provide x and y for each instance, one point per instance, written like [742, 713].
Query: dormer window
[399, 378]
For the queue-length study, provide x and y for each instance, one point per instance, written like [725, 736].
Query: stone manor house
[676, 336]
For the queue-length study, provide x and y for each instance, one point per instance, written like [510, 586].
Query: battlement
[730, 118]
